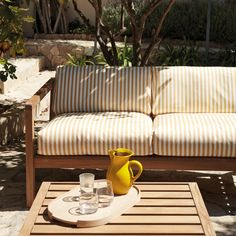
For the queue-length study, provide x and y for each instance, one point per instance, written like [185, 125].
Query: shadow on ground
[217, 188]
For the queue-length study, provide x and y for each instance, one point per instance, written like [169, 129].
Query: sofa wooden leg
[30, 183]
[29, 150]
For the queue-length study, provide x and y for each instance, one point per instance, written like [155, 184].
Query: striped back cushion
[98, 88]
[193, 89]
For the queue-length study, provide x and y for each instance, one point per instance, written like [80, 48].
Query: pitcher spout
[111, 154]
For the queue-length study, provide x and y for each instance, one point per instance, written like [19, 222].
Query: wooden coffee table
[164, 209]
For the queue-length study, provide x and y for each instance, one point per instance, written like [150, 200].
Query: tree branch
[154, 39]
[46, 10]
[130, 10]
[82, 16]
[61, 5]
[37, 4]
[152, 7]
[100, 26]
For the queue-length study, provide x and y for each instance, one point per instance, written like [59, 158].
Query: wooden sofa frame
[34, 161]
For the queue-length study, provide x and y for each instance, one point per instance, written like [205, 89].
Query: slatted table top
[164, 209]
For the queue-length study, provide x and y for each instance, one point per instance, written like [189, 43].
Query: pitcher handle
[140, 169]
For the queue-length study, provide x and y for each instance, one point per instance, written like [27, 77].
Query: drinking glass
[86, 182]
[104, 190]
[88, 203]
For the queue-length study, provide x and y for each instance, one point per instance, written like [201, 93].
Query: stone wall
[55, 50]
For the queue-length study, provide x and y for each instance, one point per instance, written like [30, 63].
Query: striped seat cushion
[96, 133]
[97, 88]
[193, 89]
[199, 134]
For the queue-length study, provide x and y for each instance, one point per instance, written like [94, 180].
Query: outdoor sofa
[171, 117]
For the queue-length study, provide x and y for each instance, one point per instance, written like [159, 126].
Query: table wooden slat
[159, 194]
[122, 229]
[142, 187]
[137, 219]
[153, 210]
[152, 202]
[85, 234]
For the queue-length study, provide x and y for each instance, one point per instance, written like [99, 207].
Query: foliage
[77, 61]
[11, 32]
[75, 27]
[223, 23]
[100, 59]
[227, 57]
[188, 20]
[8, 70]
[125, 56]
[183, 55]
[11, 35]
[137, 18]
[112, 18]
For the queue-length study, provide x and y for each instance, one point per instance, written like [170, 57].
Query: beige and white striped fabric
[96, 133]
[195, 134]
[97, 88]
[193, 89]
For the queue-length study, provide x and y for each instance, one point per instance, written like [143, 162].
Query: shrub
[11, 36]
[223, 28]
[183, 55]
[187, 19]
[75, 27]
[227, 57]
[125, 56]
[11, 31]
[112, 18]
[75, 60]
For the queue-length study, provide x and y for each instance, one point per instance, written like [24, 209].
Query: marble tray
[63, 208]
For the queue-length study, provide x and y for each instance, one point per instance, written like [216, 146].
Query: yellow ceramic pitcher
[120, 170]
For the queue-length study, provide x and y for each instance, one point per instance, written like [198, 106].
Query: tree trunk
[64, 21]
[137, 45]
[154, 40]
[43, 22]
[82, 16]
[110, 55]
[46, 14]
[58, 18]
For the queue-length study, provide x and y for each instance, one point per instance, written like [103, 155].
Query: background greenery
[186, 20]
[185, 27]
[11, 36]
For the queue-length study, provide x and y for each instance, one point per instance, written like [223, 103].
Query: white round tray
[63, 208]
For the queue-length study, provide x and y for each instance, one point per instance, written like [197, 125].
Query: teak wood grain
[164, 209]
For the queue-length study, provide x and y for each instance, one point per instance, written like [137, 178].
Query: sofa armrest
[39, 95]
[30, 108]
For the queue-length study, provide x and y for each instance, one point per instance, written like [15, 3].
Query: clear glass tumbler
[86, 182]
[104, 190]
[88, 203]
